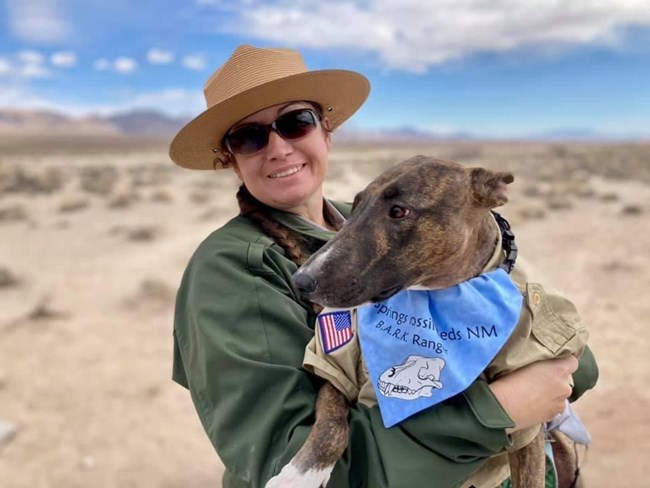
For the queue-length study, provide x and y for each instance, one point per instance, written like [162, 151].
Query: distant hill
[147, 122]
[44, 122]
[152, 123]
[571, 134]
[30, 122]
[396, 135]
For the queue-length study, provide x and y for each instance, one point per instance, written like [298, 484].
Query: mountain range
[152, 123]
[44, 122]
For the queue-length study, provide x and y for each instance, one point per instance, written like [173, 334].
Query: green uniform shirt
[240, 332]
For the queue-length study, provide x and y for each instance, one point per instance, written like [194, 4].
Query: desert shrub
[7, 278]
[122, 199]
[43, 310]
[531, 212]
[155, 290]
[21, 180]
[532, 191]
[559, 202]
[609, 197]
[98, 179]
[585, 191]
[150, 175]
[632, 210]
[143, 233]
[73, 203]
[162, 195]
[199, 197]
[15, 212]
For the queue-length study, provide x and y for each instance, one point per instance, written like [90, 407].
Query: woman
[240, 328]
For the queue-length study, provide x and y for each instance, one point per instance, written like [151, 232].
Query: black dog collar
[507, 242]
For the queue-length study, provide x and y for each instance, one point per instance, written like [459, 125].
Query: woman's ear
[235, 167]
[327, 130]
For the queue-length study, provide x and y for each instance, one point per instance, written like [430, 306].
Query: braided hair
[250, 207]
[290, 241]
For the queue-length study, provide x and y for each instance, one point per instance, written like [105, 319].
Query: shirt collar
[336, 213]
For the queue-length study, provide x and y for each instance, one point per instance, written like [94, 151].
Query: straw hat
[254, 79]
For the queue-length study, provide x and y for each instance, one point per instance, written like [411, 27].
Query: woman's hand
[536, 393]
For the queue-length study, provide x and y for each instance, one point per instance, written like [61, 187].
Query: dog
[424, 223]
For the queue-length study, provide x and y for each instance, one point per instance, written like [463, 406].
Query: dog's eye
[397, 212]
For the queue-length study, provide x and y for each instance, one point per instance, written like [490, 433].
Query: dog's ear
[489, 188]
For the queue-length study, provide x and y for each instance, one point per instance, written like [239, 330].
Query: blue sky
[496, 68]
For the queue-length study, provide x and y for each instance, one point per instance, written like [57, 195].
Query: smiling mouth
[288, 172]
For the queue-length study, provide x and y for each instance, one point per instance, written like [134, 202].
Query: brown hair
[255, 210]
[287, 239]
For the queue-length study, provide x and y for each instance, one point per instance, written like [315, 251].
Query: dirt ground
[93, 242]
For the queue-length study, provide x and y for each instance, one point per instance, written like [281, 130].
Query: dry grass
[85, 372]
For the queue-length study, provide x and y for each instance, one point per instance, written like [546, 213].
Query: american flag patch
[335, 330]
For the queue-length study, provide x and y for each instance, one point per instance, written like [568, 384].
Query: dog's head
[415, 224]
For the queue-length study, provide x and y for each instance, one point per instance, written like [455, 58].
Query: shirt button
[537, 298]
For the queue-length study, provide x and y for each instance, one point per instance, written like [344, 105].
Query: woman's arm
[241, 333]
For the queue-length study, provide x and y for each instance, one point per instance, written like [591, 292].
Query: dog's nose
[305, 284]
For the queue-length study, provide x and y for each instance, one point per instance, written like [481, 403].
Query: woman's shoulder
[238, 244]
[236, 233]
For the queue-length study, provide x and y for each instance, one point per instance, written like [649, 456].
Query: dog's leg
[312, 465]
[566, 461]
[528, 464]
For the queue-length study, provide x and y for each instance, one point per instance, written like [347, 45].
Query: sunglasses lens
[248, 139]
[296, 124]
[251, 138]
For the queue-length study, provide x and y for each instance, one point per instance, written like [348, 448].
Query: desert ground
[94, 237]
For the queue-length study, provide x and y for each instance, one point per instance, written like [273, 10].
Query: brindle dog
[423, 222]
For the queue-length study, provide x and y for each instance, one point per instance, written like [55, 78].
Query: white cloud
[11, 96]
[122, 65]
[174, 102]
[30, 57]
[64, 59]
[158, 56]
[414, 35]
[125, 65]
[24, 99]
[194, 61]
[38, 21]
[33, 71]
[24, 65]
[5, 67]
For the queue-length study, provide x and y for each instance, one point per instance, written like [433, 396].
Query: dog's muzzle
[305, 284]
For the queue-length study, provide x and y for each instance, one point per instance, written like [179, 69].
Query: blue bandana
[424, 346]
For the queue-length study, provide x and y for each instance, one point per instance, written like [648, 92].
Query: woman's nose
[278, 147]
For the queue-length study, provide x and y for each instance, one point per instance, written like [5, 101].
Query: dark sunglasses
[251, 138]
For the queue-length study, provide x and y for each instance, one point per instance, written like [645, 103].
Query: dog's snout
[305, 284]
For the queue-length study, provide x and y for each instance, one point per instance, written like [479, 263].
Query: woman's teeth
[287, 172]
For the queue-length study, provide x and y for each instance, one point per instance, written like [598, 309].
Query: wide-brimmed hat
[253, 79]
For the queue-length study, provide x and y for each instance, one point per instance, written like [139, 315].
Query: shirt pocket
[555, 318]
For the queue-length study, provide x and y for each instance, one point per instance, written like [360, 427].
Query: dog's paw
[289, 477]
